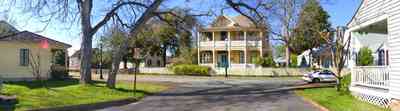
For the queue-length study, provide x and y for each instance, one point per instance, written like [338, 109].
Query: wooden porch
[371, 84]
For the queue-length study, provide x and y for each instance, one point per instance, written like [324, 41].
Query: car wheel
[315, 80]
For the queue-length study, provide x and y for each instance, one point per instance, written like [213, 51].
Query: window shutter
[27, 57]
[21, 57]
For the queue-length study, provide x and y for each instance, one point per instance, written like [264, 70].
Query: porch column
[245, 49]
[213, 50]
[229, 49]
[261, 45]
[386, 56]
[198, 48]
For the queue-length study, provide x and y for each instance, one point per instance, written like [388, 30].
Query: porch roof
[29, 36]
[371, 40]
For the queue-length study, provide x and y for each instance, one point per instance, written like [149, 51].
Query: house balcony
[232, 44]
[371, 83]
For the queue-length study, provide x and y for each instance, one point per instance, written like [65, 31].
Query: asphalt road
[192, 94]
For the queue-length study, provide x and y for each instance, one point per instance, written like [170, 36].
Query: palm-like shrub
[365, 57]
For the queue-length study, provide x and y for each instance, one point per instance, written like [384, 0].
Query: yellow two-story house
[234, 42]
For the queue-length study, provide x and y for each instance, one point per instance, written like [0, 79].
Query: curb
[320, 107]
[309, 86]
[89, 107]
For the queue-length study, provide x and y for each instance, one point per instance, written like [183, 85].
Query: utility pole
[136, 60]
[226, 58]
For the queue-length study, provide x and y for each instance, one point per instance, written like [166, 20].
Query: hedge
[190, 69]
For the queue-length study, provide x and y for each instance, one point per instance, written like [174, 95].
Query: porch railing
[234, 43]
[371, 76]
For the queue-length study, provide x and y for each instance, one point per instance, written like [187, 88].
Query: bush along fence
[200, 70]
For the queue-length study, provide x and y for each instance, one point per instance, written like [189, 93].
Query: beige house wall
[10, 64]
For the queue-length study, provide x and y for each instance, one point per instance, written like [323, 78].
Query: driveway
[216, 94]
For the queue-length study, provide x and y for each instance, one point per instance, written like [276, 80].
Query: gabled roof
[6, 28]
[78, 52]
[355, 14]
[243, 21]
[237, 21]
[29, 36]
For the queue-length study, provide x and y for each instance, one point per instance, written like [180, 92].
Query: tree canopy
[313, 20]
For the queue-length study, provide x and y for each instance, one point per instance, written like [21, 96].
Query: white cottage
[378, 84]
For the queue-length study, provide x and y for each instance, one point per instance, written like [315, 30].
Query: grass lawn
[338, 101]
[32, 95]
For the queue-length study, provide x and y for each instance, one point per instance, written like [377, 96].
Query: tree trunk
[164, 57]
[86, 45]
[134, 31]
[338, 81]
[287, 56]
[125, 62]
[116, 58]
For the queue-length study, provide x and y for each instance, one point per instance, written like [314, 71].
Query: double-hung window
[24, 57]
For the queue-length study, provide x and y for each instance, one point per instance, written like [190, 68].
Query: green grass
[31, 95]
[338, 101]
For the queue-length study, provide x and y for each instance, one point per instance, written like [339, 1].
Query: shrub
[190, 69]
[258, 61]
[346, 81]
[365, 57]
[293, 60]
[269, 61]
[265, 62]
[58, 72]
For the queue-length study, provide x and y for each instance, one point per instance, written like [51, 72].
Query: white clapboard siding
[394, 45]
[371, 9]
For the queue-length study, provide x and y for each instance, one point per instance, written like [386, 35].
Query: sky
[340, 12]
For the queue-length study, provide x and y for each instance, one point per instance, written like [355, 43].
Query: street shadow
[7, 107]
[228, 89]
[46, 83]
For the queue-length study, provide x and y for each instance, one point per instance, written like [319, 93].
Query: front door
[222, 60]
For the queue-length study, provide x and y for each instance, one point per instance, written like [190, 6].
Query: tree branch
[113, 12]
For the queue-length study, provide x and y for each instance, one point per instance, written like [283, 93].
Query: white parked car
[320, 76]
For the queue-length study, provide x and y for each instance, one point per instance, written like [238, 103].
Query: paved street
[216, 94]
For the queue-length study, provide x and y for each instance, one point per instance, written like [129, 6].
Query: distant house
[317, 58]
[19, 50]
[232, 41]
[75, 61]
[156, 60]
[280, 61]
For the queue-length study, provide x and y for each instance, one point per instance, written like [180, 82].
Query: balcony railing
[370, 76]
[232, 43]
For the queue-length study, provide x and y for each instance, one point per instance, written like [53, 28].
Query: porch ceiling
[378, 27]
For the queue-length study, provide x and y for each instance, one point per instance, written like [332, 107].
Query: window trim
[24, 57]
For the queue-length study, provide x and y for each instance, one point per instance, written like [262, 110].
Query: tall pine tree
[313, 19]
